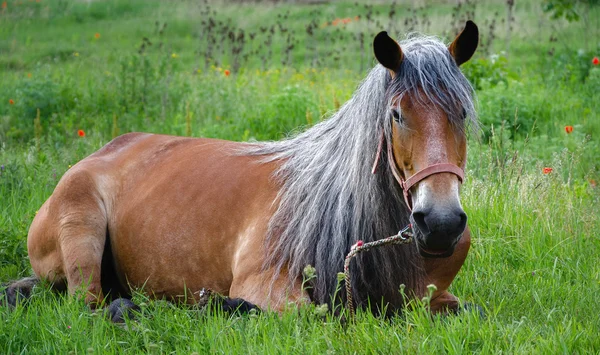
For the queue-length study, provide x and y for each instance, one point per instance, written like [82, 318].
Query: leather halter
[416, 177]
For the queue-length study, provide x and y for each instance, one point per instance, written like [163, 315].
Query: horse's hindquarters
[66, 239]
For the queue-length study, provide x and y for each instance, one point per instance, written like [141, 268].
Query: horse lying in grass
[176, 215]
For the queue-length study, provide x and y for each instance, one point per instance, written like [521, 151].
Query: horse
[177, 215]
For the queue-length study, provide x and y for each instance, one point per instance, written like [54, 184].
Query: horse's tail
[15, 292]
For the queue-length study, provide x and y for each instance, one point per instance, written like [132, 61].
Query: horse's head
[429, 101]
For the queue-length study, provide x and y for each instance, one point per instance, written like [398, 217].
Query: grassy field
[263, 71]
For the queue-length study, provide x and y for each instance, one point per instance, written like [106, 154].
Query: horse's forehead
[419, 102]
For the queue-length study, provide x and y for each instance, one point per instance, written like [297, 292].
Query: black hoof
[237, 305]
[122, 308]
[472, 307]
[17, 292]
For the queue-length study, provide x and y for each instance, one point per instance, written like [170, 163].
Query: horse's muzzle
[438, 232]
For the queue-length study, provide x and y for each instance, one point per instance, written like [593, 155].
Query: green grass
[533, 262]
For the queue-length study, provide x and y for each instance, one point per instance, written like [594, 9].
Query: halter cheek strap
[418, 176]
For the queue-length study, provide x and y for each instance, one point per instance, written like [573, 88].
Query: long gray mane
[330, 199]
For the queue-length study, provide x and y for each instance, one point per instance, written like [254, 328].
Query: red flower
[81, 133]
[97, 35]
[359, 243]
[546, 170]
[226, 72]
[11, 101]
[568, 129]
[595, 61]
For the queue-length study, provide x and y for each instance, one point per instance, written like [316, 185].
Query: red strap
[378, 156]
[434, 169]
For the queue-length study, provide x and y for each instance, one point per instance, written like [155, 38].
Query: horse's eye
[396, 115]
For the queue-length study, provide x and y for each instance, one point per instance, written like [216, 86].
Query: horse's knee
[447, 303]
[444, 303]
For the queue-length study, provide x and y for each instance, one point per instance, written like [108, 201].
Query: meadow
[75, 74]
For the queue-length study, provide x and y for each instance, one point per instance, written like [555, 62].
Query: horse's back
[174, 210]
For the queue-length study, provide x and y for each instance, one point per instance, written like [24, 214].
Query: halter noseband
[416, 177]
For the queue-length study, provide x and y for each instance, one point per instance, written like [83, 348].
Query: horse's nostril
[463, 220]
[419, 218]
[435, 225]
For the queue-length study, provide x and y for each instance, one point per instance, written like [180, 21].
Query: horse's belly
[167, 265]
[166, 249]
[181, 226]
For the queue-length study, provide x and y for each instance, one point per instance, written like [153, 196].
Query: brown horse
[175, 215]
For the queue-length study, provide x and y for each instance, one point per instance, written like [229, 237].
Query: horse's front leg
[441, 272]
[265, 290]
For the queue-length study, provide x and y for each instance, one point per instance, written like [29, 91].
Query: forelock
[428, 71]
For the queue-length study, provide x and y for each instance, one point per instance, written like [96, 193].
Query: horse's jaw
[433, 253]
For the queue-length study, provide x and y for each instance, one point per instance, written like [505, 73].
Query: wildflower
[75, 54]
[11, 101]
[97, 35]
[174, 55]
[595, 61]
[568, 129]
[29, 75]
[4, 5]
[1, 168]
[547, 171]
[81, 133]
[592, 182]
[226, 72]
[321, 310]
[309, 272]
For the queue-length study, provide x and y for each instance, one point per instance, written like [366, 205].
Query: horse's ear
[465, 44]
[387, 51]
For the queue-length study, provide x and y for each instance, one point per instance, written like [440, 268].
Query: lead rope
[404, 236]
